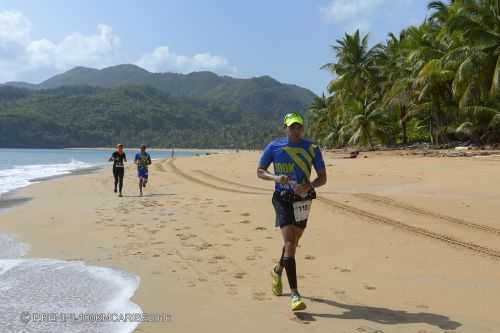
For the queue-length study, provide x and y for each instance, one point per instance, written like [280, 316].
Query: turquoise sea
[22, 167]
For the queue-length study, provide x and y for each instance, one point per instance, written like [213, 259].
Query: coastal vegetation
[435, 83]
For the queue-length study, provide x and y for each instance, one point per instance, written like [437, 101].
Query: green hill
[91, 107]
[78, 116]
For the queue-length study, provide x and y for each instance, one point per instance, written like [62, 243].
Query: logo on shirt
[282, 168]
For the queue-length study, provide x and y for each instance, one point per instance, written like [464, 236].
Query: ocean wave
[23, 175]
[32, 287]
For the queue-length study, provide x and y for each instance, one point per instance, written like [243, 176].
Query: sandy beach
[394, 243]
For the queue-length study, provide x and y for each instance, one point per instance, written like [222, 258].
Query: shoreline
[14, 197]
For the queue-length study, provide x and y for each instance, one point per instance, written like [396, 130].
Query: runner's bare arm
[266, 175]
[319, 181]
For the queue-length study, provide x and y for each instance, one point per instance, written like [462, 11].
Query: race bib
[301, 210]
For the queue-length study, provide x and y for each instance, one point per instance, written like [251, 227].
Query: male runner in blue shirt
[293, 159]
[143, 160]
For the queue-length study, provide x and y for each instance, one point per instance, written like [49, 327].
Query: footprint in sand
[338, 291]
[185, 236]
[258, 249]
[245, 221]
[203, 246]
[366, 329]
[220, 270]
[261, 296]
[232, 292]
[260, 228]
[229, 284]
[227, 211]
[341, 269]
[239, 275]
[245, 214]
[222, 206]
[219, 257]
[309, 257]
[367, 287]
[250, 258]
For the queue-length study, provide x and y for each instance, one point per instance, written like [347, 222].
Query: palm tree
[397, 79]
[364, 124]
[434, 84]
[355, 64]
[443, 74]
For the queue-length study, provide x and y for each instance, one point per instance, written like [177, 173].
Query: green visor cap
[292, 118]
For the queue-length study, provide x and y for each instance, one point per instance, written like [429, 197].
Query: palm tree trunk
[434, 121]
[369, 138]
[402, 118]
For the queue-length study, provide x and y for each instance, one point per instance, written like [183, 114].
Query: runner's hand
[283, 179]
[302, 188]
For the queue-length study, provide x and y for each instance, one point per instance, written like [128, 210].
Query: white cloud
[75, 50]
[162, 59]
[340, 11]
[358, 14]
[23, 58]
[14, 28]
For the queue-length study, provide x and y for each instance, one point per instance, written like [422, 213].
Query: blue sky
[288, 40]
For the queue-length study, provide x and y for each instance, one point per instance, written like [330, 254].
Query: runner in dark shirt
[118, 158]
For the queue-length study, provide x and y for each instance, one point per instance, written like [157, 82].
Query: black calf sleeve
[282, 264]
[291, 271]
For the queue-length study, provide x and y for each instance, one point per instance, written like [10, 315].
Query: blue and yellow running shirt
[144, 159]
[293, 160]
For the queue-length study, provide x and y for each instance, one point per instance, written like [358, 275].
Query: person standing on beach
[293, 158]
[118, 158]
[142, 160]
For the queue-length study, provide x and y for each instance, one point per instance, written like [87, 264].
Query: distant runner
[293, 158]
[143, 160]
[118, 158]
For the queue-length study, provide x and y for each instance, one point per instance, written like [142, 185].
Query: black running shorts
[284, 213]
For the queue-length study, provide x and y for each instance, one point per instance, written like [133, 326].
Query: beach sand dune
[394, 244]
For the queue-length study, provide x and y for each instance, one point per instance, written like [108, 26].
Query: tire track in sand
[416, 230]
[381, 200]
[201, 182]
[367, 216]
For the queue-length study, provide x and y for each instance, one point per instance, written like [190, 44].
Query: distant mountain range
[120, 96]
